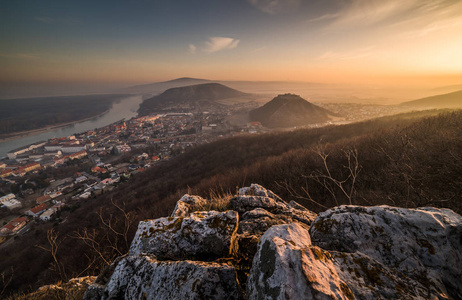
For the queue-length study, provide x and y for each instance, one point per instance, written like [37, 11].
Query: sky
[395, 42]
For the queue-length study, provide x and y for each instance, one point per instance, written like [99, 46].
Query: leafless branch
[54, 242]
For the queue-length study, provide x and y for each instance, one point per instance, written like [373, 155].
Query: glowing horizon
[411, 42]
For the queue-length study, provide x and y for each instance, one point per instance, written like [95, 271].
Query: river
[124, 108]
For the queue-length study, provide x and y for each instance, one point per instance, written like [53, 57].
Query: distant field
[18, 115]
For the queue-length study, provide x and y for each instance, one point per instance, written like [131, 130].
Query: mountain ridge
[449, 100]
[191, 97]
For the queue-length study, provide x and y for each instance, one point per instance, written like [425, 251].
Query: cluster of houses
[44, 209]
[16, 169]
[166, 134]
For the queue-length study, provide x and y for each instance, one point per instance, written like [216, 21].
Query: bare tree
[5, 280]
[304, 195]
[109, 242]
[324, 176]
[54, 242]
[345, 185]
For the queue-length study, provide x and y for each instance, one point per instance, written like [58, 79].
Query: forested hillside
[34, 113]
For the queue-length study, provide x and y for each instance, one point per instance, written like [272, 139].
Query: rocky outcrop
[258, 190]
[260, 209]
[194, 254]
[288, 266]
[188, 204]
[424, 244]
[253, 225]
[143, 277]
[256, 196]
[203, 234]
[267, 248]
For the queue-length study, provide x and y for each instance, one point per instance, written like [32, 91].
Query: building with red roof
[37, 210]
[43, 199]
[14, 226]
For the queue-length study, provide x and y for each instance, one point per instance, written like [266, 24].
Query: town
[42, 182]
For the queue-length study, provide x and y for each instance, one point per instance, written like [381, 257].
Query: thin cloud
[431, 28]
[323, 18]
[192, 49]
[215, 44]
[361, 13]
[349, 55]
[275, 6]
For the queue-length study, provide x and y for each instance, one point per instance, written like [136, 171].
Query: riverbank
[22, 134]
[126, 108]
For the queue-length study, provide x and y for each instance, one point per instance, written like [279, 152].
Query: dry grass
[72, 290]
[219, 199]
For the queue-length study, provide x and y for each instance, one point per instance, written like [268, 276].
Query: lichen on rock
[348, 252]
[188, 204]
[423, 244]
[144, 277]
[288, 266]
[256, 196]
[204, 235]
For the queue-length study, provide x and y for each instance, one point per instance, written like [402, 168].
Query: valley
[208, 139]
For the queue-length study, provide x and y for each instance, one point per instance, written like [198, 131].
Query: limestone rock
[203, 235]
[246, 203]
[143, 277]
[258, 190]
[423, 244]
[288, 266]
[188, 204]
[259, 220]
[302, 215]
[276, 269]
[256, 196]
[253, 225]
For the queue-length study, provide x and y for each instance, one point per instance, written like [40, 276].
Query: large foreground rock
[143, 277]
[203, 235]
[424, 244]
[288, 266]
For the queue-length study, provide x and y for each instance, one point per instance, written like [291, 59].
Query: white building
[7, 197]
[80, 179]
[12, 204]
[14, 153]
[73, 148]
[46, 216]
